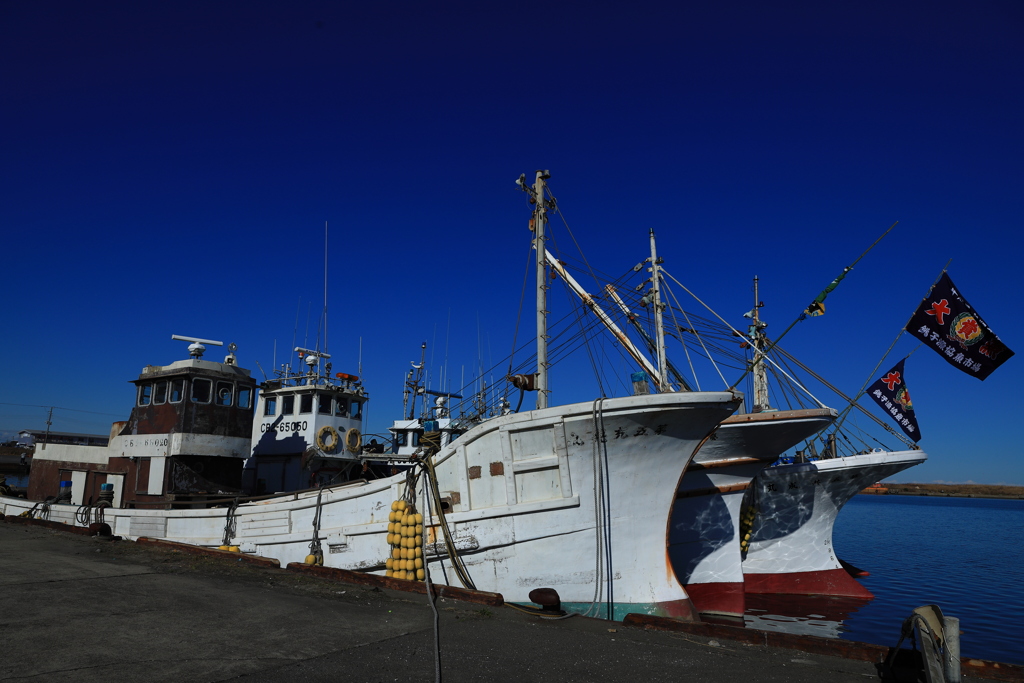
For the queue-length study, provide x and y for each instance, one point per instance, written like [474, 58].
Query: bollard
[951, 636]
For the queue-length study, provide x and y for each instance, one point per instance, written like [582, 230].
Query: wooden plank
[361, 579]
[713, 490]
[268, 562]
[847, 649]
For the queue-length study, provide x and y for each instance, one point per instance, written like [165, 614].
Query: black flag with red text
[947, 323]
[891, 393]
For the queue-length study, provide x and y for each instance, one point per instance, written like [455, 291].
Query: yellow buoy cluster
[405, 537]
[747, 516]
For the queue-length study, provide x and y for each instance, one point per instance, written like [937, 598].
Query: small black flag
[947, 323]
[891, 393]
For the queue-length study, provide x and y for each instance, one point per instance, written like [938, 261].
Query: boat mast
[589, 302]
[758, 369]
[658, 317]
[539, 225]
[676, 375]
[412, 385]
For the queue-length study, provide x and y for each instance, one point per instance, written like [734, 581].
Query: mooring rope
[229, 522]
[314, 546]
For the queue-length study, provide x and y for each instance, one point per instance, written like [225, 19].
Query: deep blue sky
[168, 169]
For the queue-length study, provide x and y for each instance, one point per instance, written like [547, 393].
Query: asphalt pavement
[77, 608]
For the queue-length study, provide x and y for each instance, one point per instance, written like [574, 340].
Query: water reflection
[702, 527]
[810, 615]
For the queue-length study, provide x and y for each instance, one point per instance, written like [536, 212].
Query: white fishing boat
[704, 529]
[705, 532]
[793, 508]
[307, 428]
[573, 498]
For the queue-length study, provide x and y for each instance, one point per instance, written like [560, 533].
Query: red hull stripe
[827, 582]
[717, 598]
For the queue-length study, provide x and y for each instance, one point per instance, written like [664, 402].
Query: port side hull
[791, 549]
[704, 542]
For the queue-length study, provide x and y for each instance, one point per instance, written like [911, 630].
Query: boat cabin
[185, 440]
[307, 431]
[407, 435]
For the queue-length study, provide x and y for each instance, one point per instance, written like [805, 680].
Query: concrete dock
[78, 608]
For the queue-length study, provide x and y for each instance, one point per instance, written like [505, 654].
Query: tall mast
[658, 319]
[758, 369]
[325, 291]
[539, 236]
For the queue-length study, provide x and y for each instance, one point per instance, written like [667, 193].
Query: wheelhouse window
[177, 390]
[145, 394]
[401, 440]
[341, 407]
[270, 405]
[306, 403]
[357, 410]
[160, 395]
[201, 390]
[416, 438]
[287, 405]
[244, 397]
[225, 393]
[326, 404]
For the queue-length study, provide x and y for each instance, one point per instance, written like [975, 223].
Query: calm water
[965, 555]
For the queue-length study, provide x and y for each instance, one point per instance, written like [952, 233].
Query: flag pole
[816, 304]
[846, 411]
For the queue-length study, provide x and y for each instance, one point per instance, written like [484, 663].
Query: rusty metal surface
[440, 590]
[994, 671]
[212, 552]
[695, 466]
[779, 415]
[712, 490]
[188, 417]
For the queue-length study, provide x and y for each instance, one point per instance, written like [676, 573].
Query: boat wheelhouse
[186, 439]
[307, 432]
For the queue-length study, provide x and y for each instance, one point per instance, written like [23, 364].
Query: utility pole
[758, 370]
[49, 419]
[659, 323]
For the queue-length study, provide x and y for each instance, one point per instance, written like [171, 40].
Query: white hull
[704, 543]
[523, 512]
[791, 538]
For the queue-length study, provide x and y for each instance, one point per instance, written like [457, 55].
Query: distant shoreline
[948, 490]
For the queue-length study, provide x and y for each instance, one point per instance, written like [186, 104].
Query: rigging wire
[699, 338]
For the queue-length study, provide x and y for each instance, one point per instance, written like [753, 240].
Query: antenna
[196, 340]
[196, 348]
[325, 286]
[261, 370]
[311, 352]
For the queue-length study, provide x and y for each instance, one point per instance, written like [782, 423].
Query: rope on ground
[431, 598]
